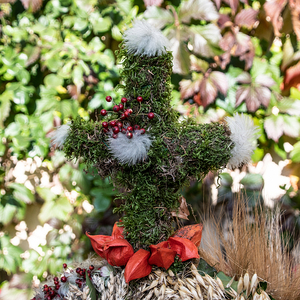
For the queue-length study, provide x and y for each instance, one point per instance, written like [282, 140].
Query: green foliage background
[58, 62]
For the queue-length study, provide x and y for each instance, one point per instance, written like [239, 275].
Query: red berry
[123, 130]
[143, 131]
[79, 285]
[91, 267]
[127, 114]
[112, 123]
[121, 106]
[45, 285]
[120, 124]
[136, 127]
[105, 130]
[151, 115]
[124, 100]
[104, 125]
[108, 98]
[103, 112]
[115, 136]
[129, 135]
[48, 298]
[46, 289]
[116, 108]
[56, 282]
[57, 287]
[55, 278]
[82, 273]
[130, 110]
[123, 117]
[63, 279]
[116, 129]
[139, 99]
[129, 128]
[52, 293]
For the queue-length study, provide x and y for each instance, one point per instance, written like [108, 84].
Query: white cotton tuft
[130, 151]
[59, 137]
[144, 39]
[243, 135]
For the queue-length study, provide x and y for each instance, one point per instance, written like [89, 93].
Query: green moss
[179, 151]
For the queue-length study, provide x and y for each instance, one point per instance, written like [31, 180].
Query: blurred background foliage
[57, 61]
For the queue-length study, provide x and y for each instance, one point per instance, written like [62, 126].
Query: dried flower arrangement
[146, 150]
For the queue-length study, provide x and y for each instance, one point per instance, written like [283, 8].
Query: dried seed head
[240, 285]
[254, 283]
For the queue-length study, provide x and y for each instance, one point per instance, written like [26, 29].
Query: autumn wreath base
[118, 251]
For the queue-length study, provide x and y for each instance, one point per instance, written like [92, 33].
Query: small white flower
[130, 151]
[143, 39]
[243, 135]
[59, 137]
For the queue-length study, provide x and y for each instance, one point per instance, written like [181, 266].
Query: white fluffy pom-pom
[244, 135]
[144, 39]
[59, 137]
[130, 151]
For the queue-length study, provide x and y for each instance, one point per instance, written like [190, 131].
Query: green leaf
[21, 192]
[5, 105]
[92, 290]
[295, 153]
[52, 81]
[77, 75]
[205, 39]
[158, 16]
[204, 268]
[252, 181]
[59, 209]
[289, 105]
[226, 179]
[46, 193]
[102, 198]
[226, 279]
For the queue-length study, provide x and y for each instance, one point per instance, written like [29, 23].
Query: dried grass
[252, 243]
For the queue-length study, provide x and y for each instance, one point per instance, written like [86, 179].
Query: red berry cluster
[117, 125]
[51, 292]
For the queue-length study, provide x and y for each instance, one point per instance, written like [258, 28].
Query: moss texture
[180, 151]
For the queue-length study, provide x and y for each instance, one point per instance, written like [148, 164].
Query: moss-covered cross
[180, 150]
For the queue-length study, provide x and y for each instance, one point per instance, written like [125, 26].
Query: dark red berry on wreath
[89, 271]
[127, 114]
[123, 130]
[130, 110]
[129, 135]
[116, 108]
[91, 267]
[79, 269]
[108, 98]
[143, 131]
[115, 135]
[139, 99]
[151, 115]
[56, 282]
[116, 129]
[52, 293]
[57, 287]
[82, 273]
[123, 117]
[103, 112]
[63, 279]
[136, 127]
[55, 278]
[129, 128]
[124, 100]
[105, 130]
[46, 289]
[45, 285]
[120, 124]
[112, 124]
[104, 125]
[48, 298]
[121, 106]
